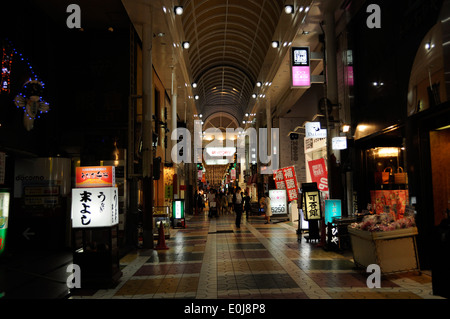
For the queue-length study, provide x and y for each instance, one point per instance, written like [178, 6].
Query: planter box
[393, 251]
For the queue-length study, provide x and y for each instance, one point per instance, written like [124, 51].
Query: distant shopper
[268, 208]
[247, 205]
[238, 202]
[230, 201]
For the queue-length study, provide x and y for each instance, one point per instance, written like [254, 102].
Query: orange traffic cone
[161, 239]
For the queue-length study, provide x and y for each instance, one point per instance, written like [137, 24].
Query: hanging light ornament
[30, 100]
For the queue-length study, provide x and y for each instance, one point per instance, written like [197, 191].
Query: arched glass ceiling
[229, 40]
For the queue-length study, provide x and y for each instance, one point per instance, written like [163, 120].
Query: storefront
[428, 146]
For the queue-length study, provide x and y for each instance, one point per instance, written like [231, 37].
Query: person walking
[268, 208]
[247, 205]
[224, 203]
[237, 201]
[230, 202]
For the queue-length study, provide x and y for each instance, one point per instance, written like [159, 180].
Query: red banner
[290, 180]
[279, 179]
[319, 175]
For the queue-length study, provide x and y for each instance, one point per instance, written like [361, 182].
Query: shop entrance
[439, 150]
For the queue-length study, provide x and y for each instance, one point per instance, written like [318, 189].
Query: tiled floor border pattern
[211, 259]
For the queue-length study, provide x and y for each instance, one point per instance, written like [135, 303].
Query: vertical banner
[279, 179]
[300, 69]
[290, 180]
[233, 174]
[319, 175]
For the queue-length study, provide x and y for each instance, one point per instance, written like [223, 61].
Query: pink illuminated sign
[301, 76]
[300, 71]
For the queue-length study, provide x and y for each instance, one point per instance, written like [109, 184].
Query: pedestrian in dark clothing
[237, 201]
[247, 205]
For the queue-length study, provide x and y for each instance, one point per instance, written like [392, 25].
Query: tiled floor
[211, 259]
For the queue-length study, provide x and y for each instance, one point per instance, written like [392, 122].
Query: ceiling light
[246, 114]
[164, 9]
[178, 10]
[254, 95]
[275, 44]
[186, 45]
[300, 9]
[258, 84]
[194, 85]
[345, 128]
[288, 9]
[197, 97]
[200, 115]
[306, 9]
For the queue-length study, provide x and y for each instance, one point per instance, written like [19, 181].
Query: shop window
[388, 182]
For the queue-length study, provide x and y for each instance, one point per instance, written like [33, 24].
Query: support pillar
[147, 130]
[331, 91]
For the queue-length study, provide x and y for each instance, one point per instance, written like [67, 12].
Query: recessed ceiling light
[275, 44]
[186, 45]
[288, 9]
[178, 10]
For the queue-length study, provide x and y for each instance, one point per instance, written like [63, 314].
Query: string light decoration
[30, 100]
[7, 56]
[29, 97]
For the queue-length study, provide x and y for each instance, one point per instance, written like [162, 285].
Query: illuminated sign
[278, 201]
[178, 209]
[313, 129]
[333, 208]
[311, 202]
[95, 176]
[339, 143]
[300, 69]
[95, 207]
[221, 151]
[4, 213]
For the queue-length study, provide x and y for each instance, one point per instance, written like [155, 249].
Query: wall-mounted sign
[318, 172]
[313, 129]
[333, 208]
[339, 143]
[278, 201]
[95, 176]
[4, 213]
[95, 207]
[300, 69]
[221, 151]
[311, 202]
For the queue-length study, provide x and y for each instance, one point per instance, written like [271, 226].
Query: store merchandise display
[384, 222]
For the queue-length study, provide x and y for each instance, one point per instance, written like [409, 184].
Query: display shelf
[393, 251]
[161, 214]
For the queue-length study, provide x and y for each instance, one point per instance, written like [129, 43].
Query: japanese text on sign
[312, 205]
[290, 180]
[94, 207]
